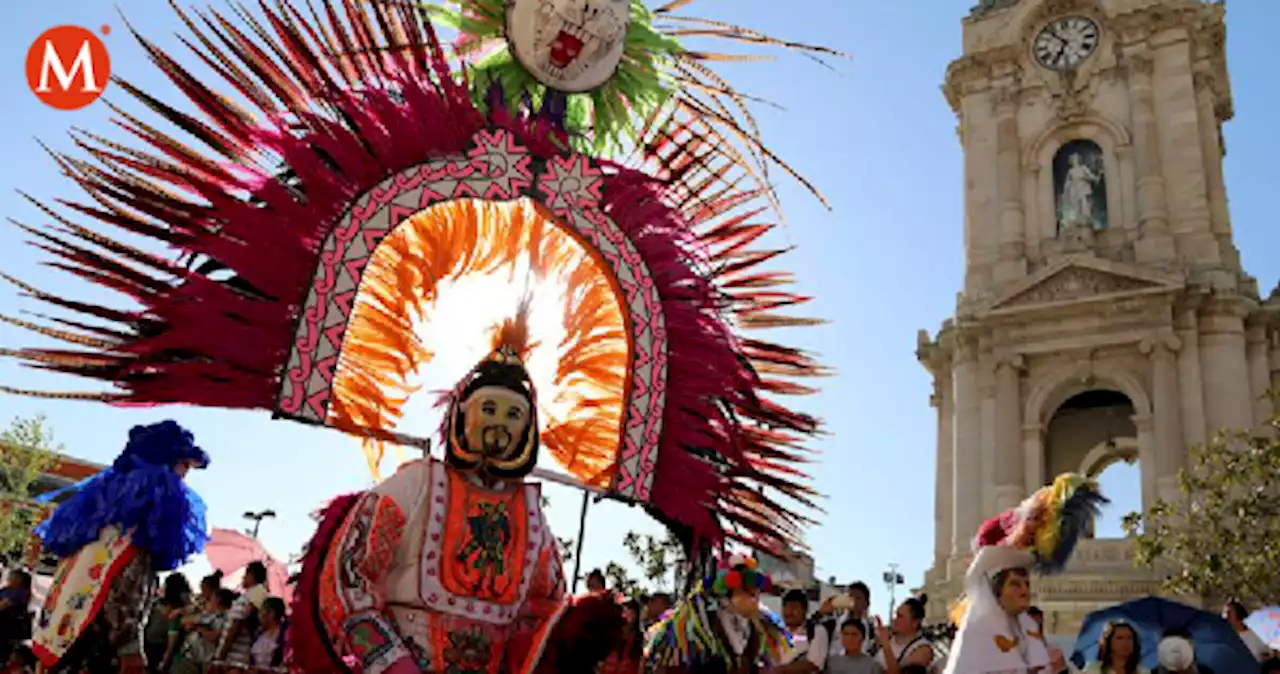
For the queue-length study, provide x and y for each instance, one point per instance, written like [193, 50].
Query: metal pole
[257, 522]
[582, 534]
[892, 579]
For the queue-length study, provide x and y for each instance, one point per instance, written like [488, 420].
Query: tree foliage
[660, 558]
[1221, 537]
[27, 450]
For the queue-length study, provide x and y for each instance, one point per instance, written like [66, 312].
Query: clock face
[1065, 43]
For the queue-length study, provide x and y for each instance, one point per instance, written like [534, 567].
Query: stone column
[1225, 369]
[1146, 457]
[944, 494]
[1259, 374]
[1012, 248]
[1191, 385]
[1009, 471]
[1156, 244]
[1162, 348]
[967, 490]
[1033, 455]
[1211, 149]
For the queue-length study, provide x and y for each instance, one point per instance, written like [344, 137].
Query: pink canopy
[230, 552]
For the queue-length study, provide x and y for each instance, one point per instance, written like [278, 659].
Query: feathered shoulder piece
[378, 173]
[1048, 524]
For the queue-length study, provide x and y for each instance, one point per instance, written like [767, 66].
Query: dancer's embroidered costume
[575, 141]
[1038, 536]
[113, 534]
[720, 628]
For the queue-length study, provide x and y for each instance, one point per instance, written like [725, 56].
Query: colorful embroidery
[468, 652]
[368, 639]
[353, 571]
[486, 542]
[490, 533]
[82, 585]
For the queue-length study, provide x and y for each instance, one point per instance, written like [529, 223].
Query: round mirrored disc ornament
[573, 46]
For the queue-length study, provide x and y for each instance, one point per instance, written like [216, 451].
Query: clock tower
[1104, 316]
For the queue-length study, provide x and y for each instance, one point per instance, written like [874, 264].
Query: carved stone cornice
[974, 72]
[1140, 24]
[1139, 65]
[1108, 589]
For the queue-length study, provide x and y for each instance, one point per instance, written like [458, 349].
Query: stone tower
[1105, 315]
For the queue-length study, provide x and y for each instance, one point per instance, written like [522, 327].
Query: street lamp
[892, 579]
[257, 518]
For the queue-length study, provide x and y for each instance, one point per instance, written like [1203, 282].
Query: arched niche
[1112, 141]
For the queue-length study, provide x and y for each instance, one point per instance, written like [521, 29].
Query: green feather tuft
[604, 122]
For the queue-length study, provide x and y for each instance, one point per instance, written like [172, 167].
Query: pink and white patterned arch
[497, 168]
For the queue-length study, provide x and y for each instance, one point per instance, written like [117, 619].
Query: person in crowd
[182, 622]
[853, 658]
[1176, 654]
[595, 581]
[20, 661]
[15, 612]
[853, 605]
[269, 646]
[1271, 666]
[1236, 613]
[175, 599]
[808, 638]
[203, 632]
[625, 659]
[134, 519]
[1058, 662]
[1119, 651]
[908, 644]
[242, 621]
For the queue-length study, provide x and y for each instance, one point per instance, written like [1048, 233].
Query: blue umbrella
[1217, 644]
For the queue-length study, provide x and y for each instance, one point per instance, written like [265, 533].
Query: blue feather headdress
[142, 493]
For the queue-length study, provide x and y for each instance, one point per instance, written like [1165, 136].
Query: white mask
[571, 46]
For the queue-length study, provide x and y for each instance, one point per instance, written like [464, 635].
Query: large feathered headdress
[376, 172]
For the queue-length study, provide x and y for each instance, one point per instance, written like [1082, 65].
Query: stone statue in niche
[1080, 187]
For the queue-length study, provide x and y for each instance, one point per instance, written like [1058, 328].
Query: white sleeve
[817, 654]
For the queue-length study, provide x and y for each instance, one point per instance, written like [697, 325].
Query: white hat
[993, 559]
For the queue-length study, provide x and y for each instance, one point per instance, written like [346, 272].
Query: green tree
[1218, 538]
[660, 558]
[27, 450]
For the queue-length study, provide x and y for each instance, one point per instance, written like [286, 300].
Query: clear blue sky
[876, 136]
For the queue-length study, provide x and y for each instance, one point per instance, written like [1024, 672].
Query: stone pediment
[1075, 281]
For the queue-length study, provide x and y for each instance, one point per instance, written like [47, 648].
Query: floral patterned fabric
[116, 631]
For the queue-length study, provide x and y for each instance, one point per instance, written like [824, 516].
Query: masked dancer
[574, 145]
[116, 531]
